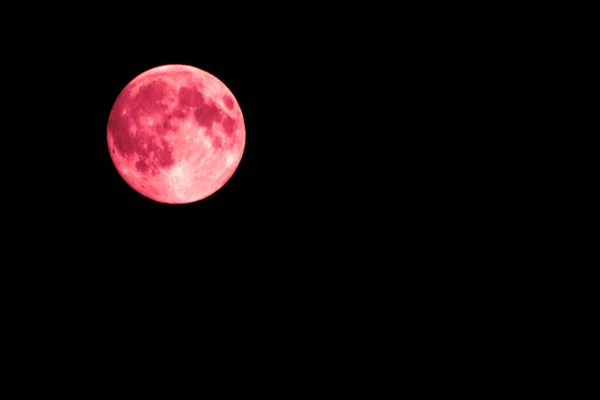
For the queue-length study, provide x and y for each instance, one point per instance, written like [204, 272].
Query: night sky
[304, 104]
[337, 140]
[374, 191]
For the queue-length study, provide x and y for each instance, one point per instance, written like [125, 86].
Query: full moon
[176, 134]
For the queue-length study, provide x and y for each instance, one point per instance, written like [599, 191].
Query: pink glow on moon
[176, 134]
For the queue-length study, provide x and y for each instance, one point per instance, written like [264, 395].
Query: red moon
[176, 134]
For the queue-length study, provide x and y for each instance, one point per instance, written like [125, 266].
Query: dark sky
[362, 193]
[339, 130]
[307, 104]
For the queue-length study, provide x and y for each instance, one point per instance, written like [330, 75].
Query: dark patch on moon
[149, 98]
[228, 102]
[141, 166]
[122, 140]
[164, 127]
[207, 115]
[190, 97]
[206, 112]
[217, 142]
[230, 125]
[164, 157]
[118, 122]
[179, 113]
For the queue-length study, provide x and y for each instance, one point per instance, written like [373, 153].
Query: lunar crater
[228, 102]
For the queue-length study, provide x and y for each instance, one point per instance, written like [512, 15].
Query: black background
[364, 141]
[360, 135]
[358, 141]
[301, 230]
[360, 202]
[322, 118]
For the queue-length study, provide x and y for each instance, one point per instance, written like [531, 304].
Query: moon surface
[176, 134]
